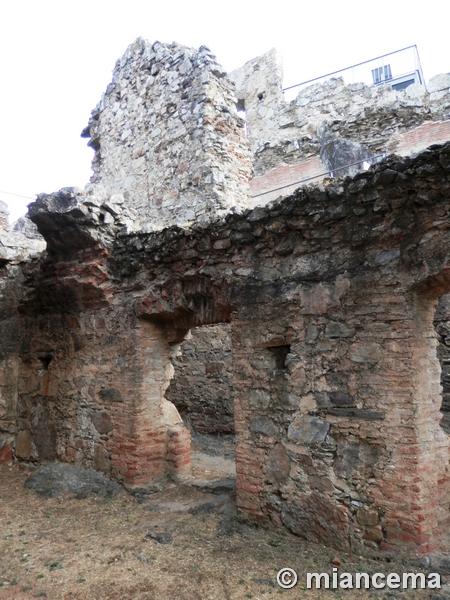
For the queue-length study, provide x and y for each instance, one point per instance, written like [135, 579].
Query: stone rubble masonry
[331, 125]
[20, 242]
[329, 296]
[93, 394]
[4, 223]
[202, 386]
[442, 327]
[259, 92]
[15, 247]
[167, 137]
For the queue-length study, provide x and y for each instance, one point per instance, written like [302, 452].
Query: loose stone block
[259, 399]
[6, 451]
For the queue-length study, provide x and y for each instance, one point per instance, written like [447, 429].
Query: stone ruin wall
[167, 139]
[15, 247]
[331, 125]
[185, 158]
[4, 222]
[335, 376]
[442, 326]
[82, 390]
[202, 385]
[326, 127]
[169, 144]
[330, 296]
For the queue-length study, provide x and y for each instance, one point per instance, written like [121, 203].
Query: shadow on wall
[442, 326]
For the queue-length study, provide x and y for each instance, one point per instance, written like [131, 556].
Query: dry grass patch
[67, 549]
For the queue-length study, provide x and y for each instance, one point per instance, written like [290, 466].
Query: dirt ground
[172, 545]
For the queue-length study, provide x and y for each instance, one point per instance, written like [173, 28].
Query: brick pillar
[415, 488]
[250, 459]
[151, 440]
[179, 452]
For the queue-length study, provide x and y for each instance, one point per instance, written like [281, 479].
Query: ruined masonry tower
[167, 139]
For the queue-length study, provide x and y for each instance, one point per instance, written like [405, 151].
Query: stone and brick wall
[10, 289]
[336, 381]
[330, 295]
[442, 326]
[86, 380]
[15, 247]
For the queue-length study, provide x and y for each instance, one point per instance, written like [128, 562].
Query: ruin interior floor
[94, 549]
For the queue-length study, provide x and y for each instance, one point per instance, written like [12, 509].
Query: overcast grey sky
[56, 60]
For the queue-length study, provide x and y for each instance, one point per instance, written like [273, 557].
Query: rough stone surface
[308, 430]
[202, 387]
[442, 327]
[23, 444]
[53, 479]
[15, 247]
[4, 213]
[278, 464]
[356, 458]
[167, 138]
[27, 227]
[317, 520]
[6, 448]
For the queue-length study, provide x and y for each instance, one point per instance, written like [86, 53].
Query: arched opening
[194, 318]
[202, 391]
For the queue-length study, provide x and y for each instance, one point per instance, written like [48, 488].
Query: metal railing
[399, 64]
